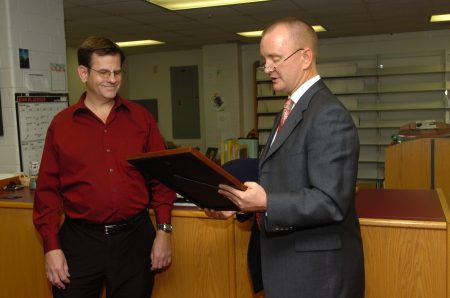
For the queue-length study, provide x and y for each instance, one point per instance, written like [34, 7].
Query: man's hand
[253, 199]
[161, 255]
[56, 268]
[218, 214]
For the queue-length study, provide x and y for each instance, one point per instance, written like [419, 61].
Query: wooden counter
[209, 257]
[405, 235]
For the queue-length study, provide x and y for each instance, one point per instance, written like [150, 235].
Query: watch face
[165, 227]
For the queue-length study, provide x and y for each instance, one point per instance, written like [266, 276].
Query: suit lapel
[269, 140]
[294, 118]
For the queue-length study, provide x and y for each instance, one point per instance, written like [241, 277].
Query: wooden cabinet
[381, 92]
[405, 235]
[209, 256]
[405, 238]
[419, 164]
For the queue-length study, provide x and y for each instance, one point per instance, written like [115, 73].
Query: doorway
[185, 102]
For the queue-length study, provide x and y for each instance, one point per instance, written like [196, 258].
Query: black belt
[112, 228]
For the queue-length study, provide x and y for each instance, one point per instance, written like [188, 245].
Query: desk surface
[27, 199]
[402, 204]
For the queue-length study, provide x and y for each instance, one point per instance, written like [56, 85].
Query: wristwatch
[166, 227]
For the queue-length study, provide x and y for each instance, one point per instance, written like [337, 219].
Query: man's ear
[83, 73]
[308, 57]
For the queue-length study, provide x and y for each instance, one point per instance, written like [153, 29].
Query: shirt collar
[303, 88]
[80, 105]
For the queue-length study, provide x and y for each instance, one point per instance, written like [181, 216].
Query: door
[185, 102]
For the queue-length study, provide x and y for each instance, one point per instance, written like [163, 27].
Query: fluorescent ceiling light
[440, 18]
[251, 33]
[319, 28]
[259, 33]
[138, 43]
[189, 4]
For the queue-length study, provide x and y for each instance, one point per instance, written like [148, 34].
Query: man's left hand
[161, 255]
[253, 199]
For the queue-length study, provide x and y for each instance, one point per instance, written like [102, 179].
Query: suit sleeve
[315, 182]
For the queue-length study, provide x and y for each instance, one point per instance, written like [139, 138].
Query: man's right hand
[219, 214]
[56, 268]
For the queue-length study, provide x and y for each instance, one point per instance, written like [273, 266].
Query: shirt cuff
[163, 214]
[51, 242]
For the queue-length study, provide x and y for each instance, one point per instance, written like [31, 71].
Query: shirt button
[111, 170]
[105, 130]
[114, 190]
[107, 150]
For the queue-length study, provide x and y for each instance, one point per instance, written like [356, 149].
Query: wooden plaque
[189, 173]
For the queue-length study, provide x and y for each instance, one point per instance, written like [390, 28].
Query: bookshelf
[382, 92]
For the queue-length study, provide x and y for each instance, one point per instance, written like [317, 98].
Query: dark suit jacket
[310, 241]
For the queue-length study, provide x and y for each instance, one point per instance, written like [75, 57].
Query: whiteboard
[34, 115]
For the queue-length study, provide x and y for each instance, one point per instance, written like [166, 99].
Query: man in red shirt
[107, 235]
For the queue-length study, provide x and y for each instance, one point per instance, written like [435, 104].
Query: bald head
[289, 46]
[301, 34]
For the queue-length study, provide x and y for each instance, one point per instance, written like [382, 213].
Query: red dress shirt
[83, 168]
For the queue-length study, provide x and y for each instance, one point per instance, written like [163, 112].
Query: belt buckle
[107, 227]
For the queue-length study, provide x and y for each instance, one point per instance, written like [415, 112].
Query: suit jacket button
[277, 228]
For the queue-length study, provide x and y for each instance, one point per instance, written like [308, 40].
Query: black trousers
[120, 260]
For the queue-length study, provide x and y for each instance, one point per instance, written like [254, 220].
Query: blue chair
[243, 169]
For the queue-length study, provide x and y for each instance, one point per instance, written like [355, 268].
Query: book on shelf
[238, 148]
[252, 145]
[231, 144]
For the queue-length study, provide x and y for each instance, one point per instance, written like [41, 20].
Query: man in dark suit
[306, 241]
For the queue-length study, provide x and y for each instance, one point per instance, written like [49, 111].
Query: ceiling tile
[316, 4]
[109, 22]
[128, 7]
[264, 7]
[188, 25]
[211, 12]
[228, 21]
[80, 12]
[157, 17]
[338, 10]
[194, 28]
[95, 2]
[136, 29]
[202, 31]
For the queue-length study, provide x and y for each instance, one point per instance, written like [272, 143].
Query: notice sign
[34, 114]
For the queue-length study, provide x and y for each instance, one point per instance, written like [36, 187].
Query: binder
[189, 173]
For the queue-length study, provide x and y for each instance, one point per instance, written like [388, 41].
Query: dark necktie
[286, 110]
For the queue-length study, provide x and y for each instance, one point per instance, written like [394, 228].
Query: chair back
[243, 169]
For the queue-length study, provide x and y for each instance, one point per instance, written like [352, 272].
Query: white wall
[222, 75]
[149, 78]
[36, 25]
[351, 46]
[76, 86]
[235, 81]
[366, 45]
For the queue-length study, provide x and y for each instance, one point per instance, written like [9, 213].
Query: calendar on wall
[34, 114]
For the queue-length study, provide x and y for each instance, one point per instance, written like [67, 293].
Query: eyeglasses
[273, 68]
[104, 73]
